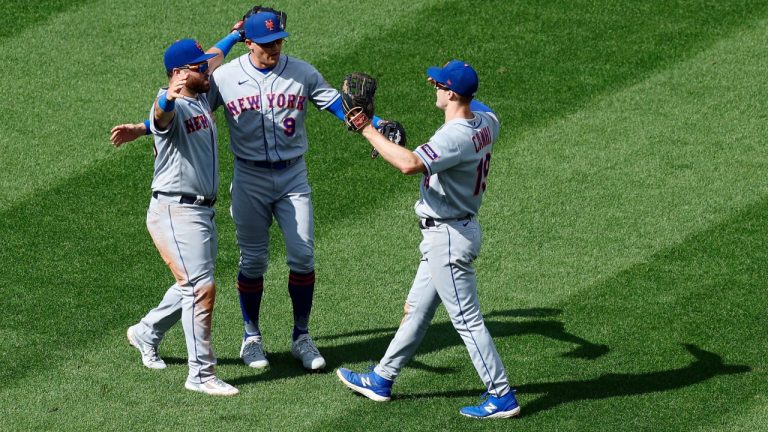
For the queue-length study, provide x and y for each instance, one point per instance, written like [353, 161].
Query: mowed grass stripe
[681, 327]
[20, 15]
[634, 173]
[534, 71]
[104, 67]
[352, 298]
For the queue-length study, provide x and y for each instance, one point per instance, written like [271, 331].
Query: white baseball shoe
[213, 387]
[252, 353]
[149, 355]
[304, 349]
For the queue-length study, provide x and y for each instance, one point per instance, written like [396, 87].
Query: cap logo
[448, 82]
[270, 25]
[197, 44]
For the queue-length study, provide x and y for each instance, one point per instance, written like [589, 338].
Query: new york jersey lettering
[194, 124]
[273, 100]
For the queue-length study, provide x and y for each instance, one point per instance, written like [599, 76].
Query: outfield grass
[625, 261]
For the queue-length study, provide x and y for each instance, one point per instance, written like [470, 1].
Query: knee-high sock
[251, 291]
[301, 286]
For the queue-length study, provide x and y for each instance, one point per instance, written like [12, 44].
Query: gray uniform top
[457, 158]
[266, 112]
[186, 154]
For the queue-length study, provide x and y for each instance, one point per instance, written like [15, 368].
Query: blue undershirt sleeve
[226, 44]
[479, 106]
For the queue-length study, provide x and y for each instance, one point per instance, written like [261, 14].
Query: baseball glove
[393, 131]
[254, 10]
[357, 91]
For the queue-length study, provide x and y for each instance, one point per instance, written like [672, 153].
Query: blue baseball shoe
[368, 384]
[494, 407]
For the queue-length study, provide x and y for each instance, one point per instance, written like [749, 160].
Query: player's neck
[455, 111]
[186, 92]
[260, 65]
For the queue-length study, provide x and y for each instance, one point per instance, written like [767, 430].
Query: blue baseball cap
[457, 76]
[184, 52]
[264, 27]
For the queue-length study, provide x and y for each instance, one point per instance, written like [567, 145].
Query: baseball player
[455, 165]
[266, 96]
[180, 218]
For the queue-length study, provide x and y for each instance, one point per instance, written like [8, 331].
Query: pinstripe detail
[461, 311]
[186, 272]
[274, 125]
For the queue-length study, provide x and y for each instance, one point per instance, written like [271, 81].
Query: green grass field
[624, 273]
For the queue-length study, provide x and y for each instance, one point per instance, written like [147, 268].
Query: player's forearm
[399, 157]
[164, 111]
[221, 49]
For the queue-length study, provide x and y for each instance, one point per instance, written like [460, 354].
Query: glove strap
[356, 119]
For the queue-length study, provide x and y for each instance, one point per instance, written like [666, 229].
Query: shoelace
[306, 344]
[151, 352]
[253, 348]
[217, 382]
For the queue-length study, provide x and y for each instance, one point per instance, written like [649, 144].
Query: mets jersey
[266, 111]
[186, 155]
[457, 158]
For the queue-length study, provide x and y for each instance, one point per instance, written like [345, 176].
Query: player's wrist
[147, 129]
[368, 130]
[166, 104]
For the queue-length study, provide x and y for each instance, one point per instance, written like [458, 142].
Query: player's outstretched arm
[165, 105]
[222, 47]
[125, 133]
[399, 157]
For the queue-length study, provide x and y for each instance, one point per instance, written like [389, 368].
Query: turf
[625, 256]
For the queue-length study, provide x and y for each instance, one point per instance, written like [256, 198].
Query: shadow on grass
[439, 336]
[706, 365]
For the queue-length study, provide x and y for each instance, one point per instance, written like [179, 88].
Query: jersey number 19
[482, 173]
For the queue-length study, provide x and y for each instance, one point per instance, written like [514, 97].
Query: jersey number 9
[289, 126]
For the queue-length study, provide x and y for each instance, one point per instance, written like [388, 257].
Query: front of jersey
[457, 158]
[266, 111]
[186, 160]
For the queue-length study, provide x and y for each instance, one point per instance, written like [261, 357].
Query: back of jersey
[458, 158]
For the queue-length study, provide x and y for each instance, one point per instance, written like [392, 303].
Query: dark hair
[463, 99]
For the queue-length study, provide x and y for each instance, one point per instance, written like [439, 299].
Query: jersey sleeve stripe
[426, 162]
[331, 102]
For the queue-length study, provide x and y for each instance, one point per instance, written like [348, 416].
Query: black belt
[190, 199]
[429, 222]
[277, 165]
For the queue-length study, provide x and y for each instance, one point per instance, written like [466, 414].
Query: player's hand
[124, 133]
[176, 84]
[238, 27]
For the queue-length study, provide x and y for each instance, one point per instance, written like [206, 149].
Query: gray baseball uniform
[457, 158]
[265, 112]
[180, 220]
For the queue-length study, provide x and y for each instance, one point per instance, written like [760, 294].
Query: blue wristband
[226, 44]
[147, 131]
[165, 104]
